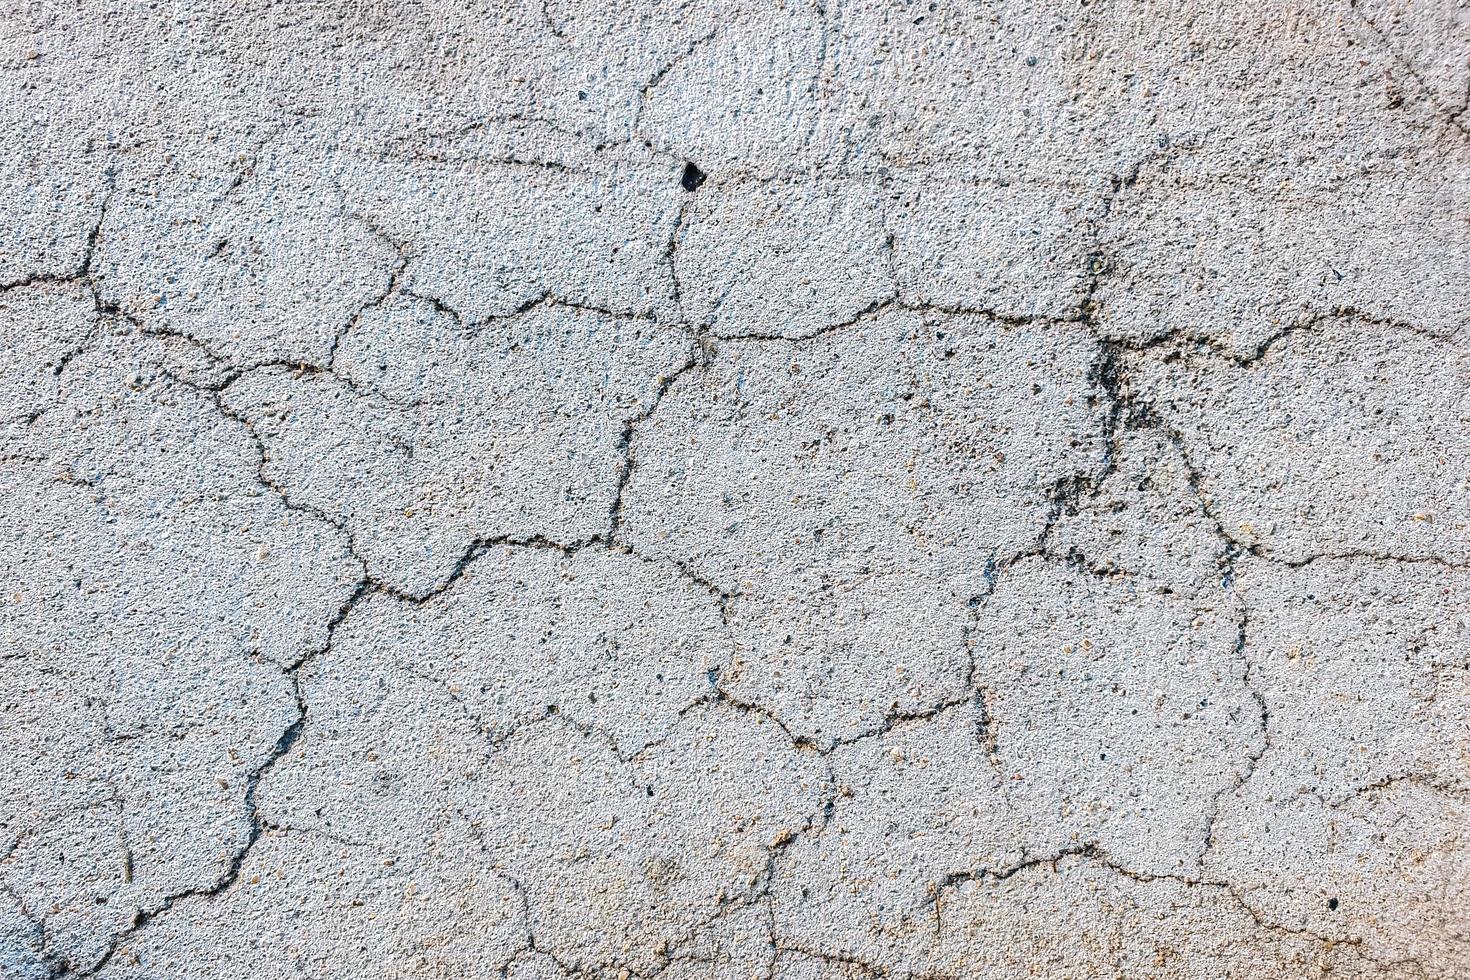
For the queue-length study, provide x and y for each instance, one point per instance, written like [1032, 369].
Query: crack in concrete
[1113, 389]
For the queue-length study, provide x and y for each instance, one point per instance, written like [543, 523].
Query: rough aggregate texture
[797, 490]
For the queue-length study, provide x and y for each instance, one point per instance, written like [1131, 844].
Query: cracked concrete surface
[800, 491]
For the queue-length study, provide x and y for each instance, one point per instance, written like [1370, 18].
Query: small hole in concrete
[1332, 904]
[692, 178]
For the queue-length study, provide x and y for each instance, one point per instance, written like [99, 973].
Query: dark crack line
[646, 89]
[257, 826]
[627, 449]
[1426, 91]
[1256, 754]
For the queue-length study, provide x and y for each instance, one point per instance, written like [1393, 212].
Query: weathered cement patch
[679, 489]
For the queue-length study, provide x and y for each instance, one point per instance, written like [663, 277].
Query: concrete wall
[735, 490]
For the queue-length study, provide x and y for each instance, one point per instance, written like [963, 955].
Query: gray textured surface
[1011, 519]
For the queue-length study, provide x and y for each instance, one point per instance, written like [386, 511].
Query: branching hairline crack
[365, 587]
[1120, 415]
